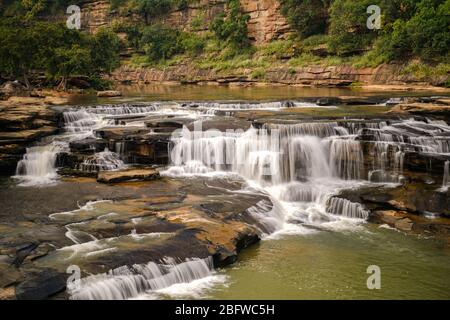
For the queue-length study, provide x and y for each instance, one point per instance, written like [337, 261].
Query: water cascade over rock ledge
[200, 196]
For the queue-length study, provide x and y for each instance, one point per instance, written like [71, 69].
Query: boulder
[109, 94]
[128, 175]
[41, 285]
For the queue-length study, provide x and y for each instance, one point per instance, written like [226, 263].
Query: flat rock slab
[109, 93]
[128, 175]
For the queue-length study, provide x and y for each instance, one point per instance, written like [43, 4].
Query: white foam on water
[196, 289]
[38, 166]
[299, 166]
[170, 277]
[89, 206]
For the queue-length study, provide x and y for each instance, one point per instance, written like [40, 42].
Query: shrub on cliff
[160, 42]
[348, 27]
[425, 35]
[232, 28]
[105, 47]
[306, 17]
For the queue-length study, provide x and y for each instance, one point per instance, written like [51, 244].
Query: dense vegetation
[29, 45]
[410, 28]
[326, 32]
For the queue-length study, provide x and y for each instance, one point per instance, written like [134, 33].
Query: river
[291, 163]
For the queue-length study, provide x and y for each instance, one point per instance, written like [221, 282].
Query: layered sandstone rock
[266, 21]
[387, 74]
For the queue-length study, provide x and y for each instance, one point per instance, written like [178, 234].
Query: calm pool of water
[333, 265]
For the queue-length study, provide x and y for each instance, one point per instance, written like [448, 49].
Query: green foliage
[258, 73]
[348, 30]
[160, 42]
[232, 28]
[307, 17]
[280, 49]
[153, 8]
[28, 45]
[191, 43]
[425, 35]
[105, 47]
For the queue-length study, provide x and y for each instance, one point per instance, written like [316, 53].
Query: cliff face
[310, 76]
[266, 21]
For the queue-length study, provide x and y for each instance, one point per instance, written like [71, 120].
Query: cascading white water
[446, 179]
[102, 161]
[212, 108]
[38, 165]
[131, 282]
[298, 165]
[346, 208]
[347, 157]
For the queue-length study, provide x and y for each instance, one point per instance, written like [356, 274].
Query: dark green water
[333, 265]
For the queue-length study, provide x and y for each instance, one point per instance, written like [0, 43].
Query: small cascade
[399, 161]
[446, 179]
[131, 282]
[346, 208]
[38, 166]
[308, 158]
[102, 161]
[85, 120]
[426, 137]
[214, 108]
[347, 158]
[317, 129]
[269, 215]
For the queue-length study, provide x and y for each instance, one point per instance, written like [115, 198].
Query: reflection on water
[332, 265]
[164, 92]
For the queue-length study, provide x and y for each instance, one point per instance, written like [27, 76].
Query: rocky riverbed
[140, 197]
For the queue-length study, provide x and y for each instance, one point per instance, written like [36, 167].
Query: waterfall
[299, 166]
[38, 165]
[317, 129]
[213, 108]
[346, 208]
[347, 158]
[399, 161]
[102, 161]
[131, 282]
[446, 179]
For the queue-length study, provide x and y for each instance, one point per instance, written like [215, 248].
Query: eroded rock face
[340, 76]
[145, 221]
[128, 175]
[266, 21]
[22, 125]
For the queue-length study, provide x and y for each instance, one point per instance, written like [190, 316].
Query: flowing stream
[316, 245]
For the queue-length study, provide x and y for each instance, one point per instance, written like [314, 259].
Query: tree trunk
[26, 82]
[62, 86]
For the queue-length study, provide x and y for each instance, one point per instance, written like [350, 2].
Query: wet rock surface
[141, 222]
[128, 175]
[114, 208]
[21, 126]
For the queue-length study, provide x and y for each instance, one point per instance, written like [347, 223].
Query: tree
[160, 42]
[307, 17]
[18, 49]
[232, 27]
[66, 62]
[348, 27]
[105, 47]
[153, 8]
[426, 34]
